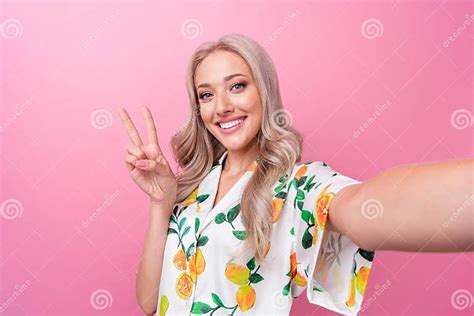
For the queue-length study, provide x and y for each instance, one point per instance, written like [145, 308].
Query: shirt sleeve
[328, 265]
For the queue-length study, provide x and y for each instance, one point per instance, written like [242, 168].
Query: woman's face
[228, 94]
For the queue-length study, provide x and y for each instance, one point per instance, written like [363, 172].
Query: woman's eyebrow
[227, 78]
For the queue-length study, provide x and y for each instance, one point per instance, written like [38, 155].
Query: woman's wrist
[160, 208]
[161, 204]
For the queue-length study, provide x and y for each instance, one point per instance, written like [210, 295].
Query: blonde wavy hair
[196, 150]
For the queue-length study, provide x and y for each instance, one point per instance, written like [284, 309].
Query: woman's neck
[237, 162]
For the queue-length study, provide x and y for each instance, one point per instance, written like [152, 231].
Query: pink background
[72, 220]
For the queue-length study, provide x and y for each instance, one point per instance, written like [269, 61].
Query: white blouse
[201, 274]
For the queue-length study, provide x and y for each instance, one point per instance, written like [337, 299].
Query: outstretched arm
[416, 207]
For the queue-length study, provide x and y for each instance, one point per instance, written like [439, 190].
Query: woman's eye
[239, 84]
[202, 95]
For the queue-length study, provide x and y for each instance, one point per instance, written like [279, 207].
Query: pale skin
[157, 180]
[226, 89]
[421, 207]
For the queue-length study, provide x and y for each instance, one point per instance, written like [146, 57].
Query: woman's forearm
[151, 262]
[417, 207]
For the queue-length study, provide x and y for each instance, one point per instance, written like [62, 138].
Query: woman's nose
[223, 104]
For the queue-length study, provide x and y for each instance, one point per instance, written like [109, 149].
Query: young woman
[245, 227]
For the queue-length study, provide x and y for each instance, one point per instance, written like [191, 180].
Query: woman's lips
[233, 129]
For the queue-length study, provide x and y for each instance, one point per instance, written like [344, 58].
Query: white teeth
[230, 124]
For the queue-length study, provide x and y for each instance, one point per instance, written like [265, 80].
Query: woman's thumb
[145, 164]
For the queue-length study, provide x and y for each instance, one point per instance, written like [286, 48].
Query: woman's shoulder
[315, 171]
[299, 174]
[302, 168]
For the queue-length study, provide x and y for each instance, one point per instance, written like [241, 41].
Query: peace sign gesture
[147, 165]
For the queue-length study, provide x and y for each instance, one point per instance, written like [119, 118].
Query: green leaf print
[172, 231]
[281, 195]
[300, 195]
[197, 222]
[181, 223]
[188, 252]
[172, 219]
[186, 230]
[354, 265]
[367, 255]
[202, 241]
[280, 187]
[200, 308]
[255, 278]
[217, 300]
[230, 217]
[283, 178]
[286, 289]
[306, 271]
[294, 183]
[220, 218]
[300, 205]
[307, 216]
[301, 181]
[204, 308]
[251, 264]
[239, 234]
[175, 209]
[309, 185]
[233, 212]
[307, 240]
[202, 198]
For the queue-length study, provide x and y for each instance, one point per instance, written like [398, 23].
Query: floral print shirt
[201, 275]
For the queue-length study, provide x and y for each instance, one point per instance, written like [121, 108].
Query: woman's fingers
[130, 161]
[146, 164]
[150, 126]
[131, 129]
[134, 150]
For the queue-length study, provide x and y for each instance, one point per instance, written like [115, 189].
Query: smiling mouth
[231, 125]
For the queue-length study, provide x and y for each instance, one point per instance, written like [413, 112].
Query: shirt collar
[221, 159]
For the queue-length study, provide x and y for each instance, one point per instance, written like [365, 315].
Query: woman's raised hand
[146, 164]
